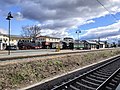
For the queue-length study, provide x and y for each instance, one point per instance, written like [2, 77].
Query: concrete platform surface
[25, 53]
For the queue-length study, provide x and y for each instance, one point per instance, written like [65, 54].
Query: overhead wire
[108, 10]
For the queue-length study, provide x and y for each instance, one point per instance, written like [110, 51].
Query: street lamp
[9, 18]
[78, 32]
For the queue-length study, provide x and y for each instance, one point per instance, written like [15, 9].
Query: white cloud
[56, 33]
[61, 15]
[56, 17]
[3, 31]
[18, 16]
[89, 21]
[102, 32]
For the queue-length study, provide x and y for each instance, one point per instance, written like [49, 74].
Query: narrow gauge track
[104, 77]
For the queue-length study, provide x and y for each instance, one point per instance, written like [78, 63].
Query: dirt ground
[25, 72]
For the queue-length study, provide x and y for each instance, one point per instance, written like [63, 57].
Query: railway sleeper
[103, 70]
[98, 77]
[94, 80]
[77, 88]
[104, 73]
[89, 83]
[112, 84]
[108, 88]
[85, 86]
[114, 81]
[116, 78]
[73, 88]
[110, 69]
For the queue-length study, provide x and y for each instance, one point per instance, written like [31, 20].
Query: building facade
[14, 39]
[3, 41]
[88, 44]
[48, 42]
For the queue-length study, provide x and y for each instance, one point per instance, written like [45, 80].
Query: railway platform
[29, 53]
[38, 52]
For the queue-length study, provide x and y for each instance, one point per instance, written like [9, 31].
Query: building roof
[101, 42]
[15, 36]
[91, 42]
[3, 34]
[48, 37]
[68, 38]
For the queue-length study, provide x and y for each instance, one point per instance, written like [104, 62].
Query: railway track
[104, 77]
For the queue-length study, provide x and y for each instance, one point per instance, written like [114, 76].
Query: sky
[62, 18]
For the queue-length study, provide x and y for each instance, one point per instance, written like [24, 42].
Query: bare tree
[31, 31]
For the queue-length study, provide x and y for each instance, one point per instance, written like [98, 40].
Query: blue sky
[62, 18]
[98, 22]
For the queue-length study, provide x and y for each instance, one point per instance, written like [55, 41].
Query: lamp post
[78, 32]
[9, 18]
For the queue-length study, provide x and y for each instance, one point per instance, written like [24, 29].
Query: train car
[28, 45]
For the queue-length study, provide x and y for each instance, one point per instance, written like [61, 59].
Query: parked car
[11, 48]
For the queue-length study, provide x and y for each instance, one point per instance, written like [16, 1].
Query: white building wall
[52, 40]
[4, 40]
[13, 42]
[43, 39]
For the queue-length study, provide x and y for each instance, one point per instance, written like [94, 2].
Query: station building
[48, 42]
[88, 44]
[3, 41]
[51, 42]
[14, 39]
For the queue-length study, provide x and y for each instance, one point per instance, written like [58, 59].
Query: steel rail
[106, 84]
[70, 84]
